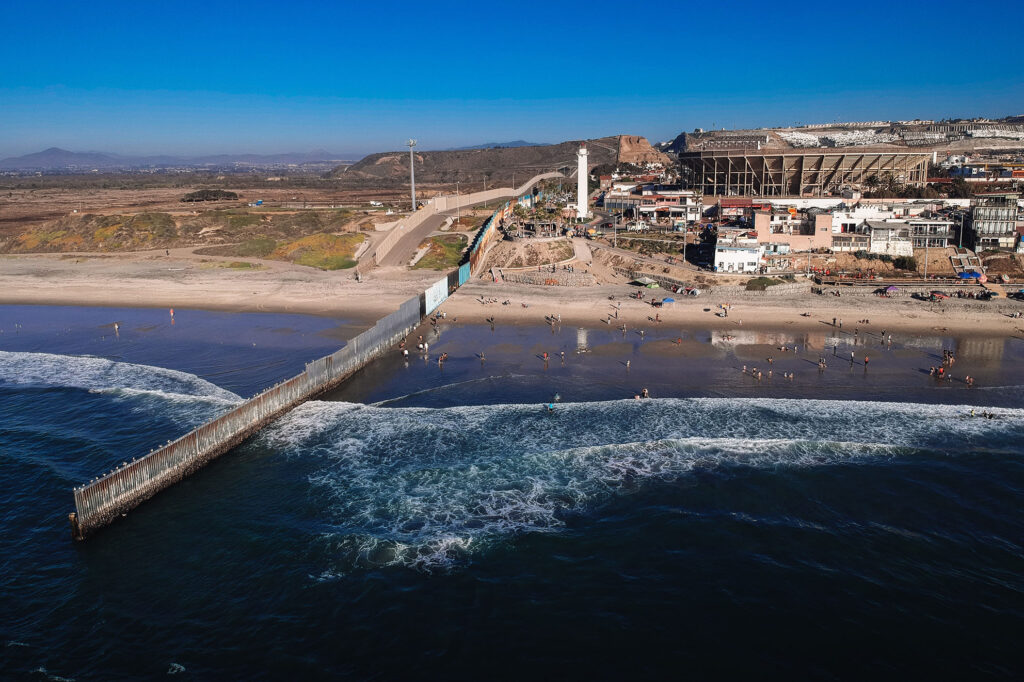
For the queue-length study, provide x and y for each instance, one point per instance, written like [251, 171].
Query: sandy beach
[187, 280]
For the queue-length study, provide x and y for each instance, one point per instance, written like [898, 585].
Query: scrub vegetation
[444, 253]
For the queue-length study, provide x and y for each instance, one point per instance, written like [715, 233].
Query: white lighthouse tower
[581, 182]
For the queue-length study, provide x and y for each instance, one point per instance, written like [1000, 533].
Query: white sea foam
[425, 487]
[92, 373]
[168, 396]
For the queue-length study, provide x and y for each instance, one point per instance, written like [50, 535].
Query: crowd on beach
[859, 334]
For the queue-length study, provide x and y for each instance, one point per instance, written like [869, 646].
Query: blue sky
[208, 77]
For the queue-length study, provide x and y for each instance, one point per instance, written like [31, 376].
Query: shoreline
[148, 281]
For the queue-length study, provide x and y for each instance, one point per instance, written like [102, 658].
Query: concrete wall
[560, 278]
[451, 202]
[444, 203]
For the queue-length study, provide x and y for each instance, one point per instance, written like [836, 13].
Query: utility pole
[926, 253]
[458, 202]
[686, 238]
[412, 172]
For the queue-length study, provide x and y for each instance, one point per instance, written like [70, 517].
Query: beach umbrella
[891, 289]
[668, 300]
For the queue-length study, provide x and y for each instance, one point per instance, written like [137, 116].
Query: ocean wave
[100, 374]
[426, 488]
[168, 396]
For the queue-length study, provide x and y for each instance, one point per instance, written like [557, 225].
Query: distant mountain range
[55, 158]
[499, 145]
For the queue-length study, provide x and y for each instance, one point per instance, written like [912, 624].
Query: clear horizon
[201, 79]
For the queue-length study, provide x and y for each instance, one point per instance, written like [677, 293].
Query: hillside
[496, 165]
[54, 157]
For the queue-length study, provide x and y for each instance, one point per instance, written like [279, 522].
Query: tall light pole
[686, 238]
[412, 172]
[458, 202]
[926, 253]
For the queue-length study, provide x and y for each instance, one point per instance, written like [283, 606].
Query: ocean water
[439, 522]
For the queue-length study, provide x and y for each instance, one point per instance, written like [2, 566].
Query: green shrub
[161, 225]
[209, 195]
[762, 283]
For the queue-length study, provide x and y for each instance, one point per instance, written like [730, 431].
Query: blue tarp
[969, 275]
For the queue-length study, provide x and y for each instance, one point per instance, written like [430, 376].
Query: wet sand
[708, 363]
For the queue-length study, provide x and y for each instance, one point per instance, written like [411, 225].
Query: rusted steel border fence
[103, 500]
[489, 231]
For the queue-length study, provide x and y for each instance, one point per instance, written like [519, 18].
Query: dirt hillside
[495, 165]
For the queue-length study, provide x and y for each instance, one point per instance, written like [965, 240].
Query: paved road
[406, 248]
[408, 245]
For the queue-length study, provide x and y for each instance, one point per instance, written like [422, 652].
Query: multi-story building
[656, 201]
[740, 209]
[851, 242]
[890, 237]
[992, 221]
[802, 231]
[931, 233]
[737, 258]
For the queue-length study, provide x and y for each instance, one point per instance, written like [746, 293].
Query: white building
[656, 202]
[890, 238]
[848, 219]
[737, 258]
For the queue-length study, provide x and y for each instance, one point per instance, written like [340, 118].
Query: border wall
[440, 204]
[103, 499]
[489, 233]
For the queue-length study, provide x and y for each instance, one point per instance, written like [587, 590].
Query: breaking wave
[426, 488]
[102, 375]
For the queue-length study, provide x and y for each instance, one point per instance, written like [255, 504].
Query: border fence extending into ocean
[103, 499]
